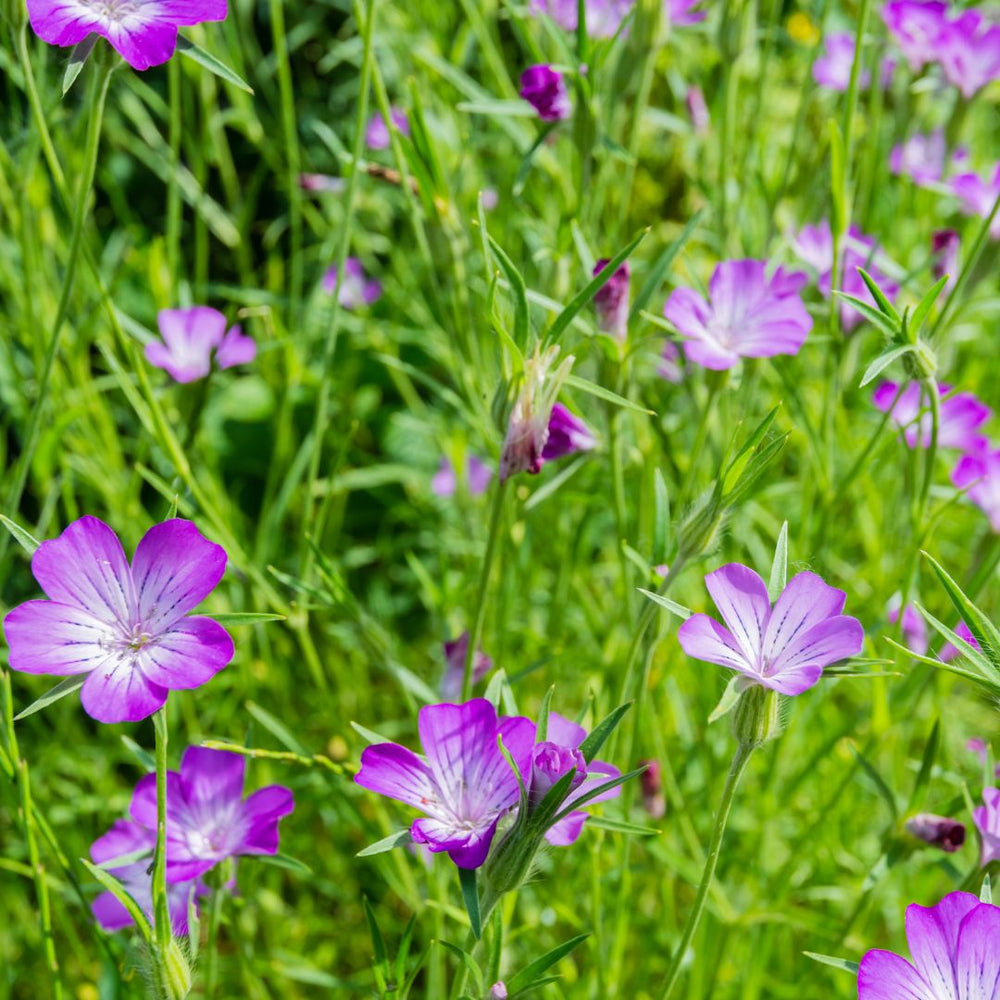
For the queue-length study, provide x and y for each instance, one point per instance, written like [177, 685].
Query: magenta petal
[109, 913]
[455, 738]
[212, 777]
[142, 808]
[793, 680]
[932, 933]
[831, 640]
[741, 597]
[124, 838]
[62, 22]
[175, 568]
[120, 694]
[518, 735]
[474, 853]
[806, 601]
[143, 42]
[567, 830]
[977, 964]
[392, 770]
[564, 732]
[191, 653]
[263, 809]
[185, 12]
[703, 638]
[48, 637]
[885, 976]
[235, 349]
[86, 568]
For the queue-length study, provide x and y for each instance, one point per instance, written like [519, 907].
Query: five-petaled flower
[784, 648]
[955, 955]
[125, 627]
[191, 337]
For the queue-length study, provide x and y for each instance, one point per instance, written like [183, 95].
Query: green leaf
[244, 618]
[620, 826]
[883, 789]
[660, 267]
[837, 963]
[117, 890]
[599, 790]
[919, 317]
[542, 729]
[500, 109]
[838, 181]
[882, 362]
[602, 732]
[661, 517]
[926, 767]
[870, 313]
[519, 289]
[672, 606]
[63, 688]
[970, 653]
[401, 838]
[730, 697]
[25, 539]
[188, 48]
[276, 728]
[369, 734]
[285, 861]
[77, 60]
[470, 895]
[592, 287]
[381, 967]
[986, 892]
[606, 394]
[146, 760]
[529, 158]
[779, 566]
[884, 305]
[467, 960]
[531, 973]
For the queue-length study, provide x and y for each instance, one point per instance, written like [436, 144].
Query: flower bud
[756, 718]
[173, 972]
[549, 762]
[938, 831]
[945, 244]
[611, 301]
[543, 88]
[498, 991]
[651, 785]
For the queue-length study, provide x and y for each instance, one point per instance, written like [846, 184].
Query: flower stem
[173, 188]
[739, 765]
[476, 632]
[161, 911]
[212, 945]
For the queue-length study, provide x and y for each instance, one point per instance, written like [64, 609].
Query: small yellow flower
[801, 28]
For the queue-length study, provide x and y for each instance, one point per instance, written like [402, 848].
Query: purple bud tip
[498, 991]
[611, 300]
[549, 762]
[938, 831]
[543, 88]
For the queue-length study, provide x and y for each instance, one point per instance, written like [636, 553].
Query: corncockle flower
[357, 289]
[962, 414]
[191, 337]
[748, 315]
[921, 157]
[949, 651]
[567, 434]
[938, 831]
[669, 367]
[567, 737]
[549, 763]
[945, 245]
[833, 69]
[478, 474]
[651, 786]
[970, 52]
[954, 951]
[208, 820]
[976, 745]
[377, 132]
[701, 121]
[463, 784]
[917, 26]
[611, 300]
[784, 648]
[498, 991]
[144, 34]
[544, 89]
[978, 196]
[987, 820]
[123, 626]
[528, 427]
[321, 182]
[913, 626]
[455, 652]
[684, 12]
[603, 17]
[979, 474]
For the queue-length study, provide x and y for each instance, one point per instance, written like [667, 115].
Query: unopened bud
[173, 972]
[498, 991]
[757, 716]
[651, 784]
[549, 763]
[938, 831]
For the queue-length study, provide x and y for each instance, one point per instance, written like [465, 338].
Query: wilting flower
[921, 157]
[357, 289]
[938, 831]
[669, 367]
[833, 68]
[603, 17]
[978, 196]
[979, 473]
[954, 951]
[544, 89]
[748, 315]
[208, 820]
[970, 52]
[567, 434]
[377, 132]
[917, 26]
[123, 626]
[611, 301]
[478, 474]
[528, 427]
[455, 652]
[463, 785]
[651, 786]
[987, 820]
[945, 245]
[949, 651]
[962, 414]
[913, 626]
[143, 34]
[191, 337]
[784, 648]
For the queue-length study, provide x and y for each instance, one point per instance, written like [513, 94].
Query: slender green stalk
[173, 188]
[931, 386]
[161, 910]
[212, 944]
[739, 765]
[479, 615]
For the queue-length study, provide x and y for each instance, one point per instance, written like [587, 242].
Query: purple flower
[454, 656]
[917, 26]
[978, 196]
[124, 626]
[669, 367]
[603, 17]
[377, 132]
[701, 121]
[949, 651]
[961, 416]
[143, 34]
[550, 762]
[651, 786]
[945, 246]
[567, 434]
[543, 88]
[684, 12]
[969, 52]
[478, 474]
[979, 473]
[191, 337]
[748, 315]
[357, 289]
[833, 69]
[611, 301]
[463, 785]
[784, 648]
[921, 157]
[938, 831]
[914, 629]
[975, 745]
[498, 991]
[562, 753]
[954, 954]
[987, 820]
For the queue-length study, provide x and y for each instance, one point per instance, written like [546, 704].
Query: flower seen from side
[916, 26]
[962, 415]
[192, 338]
[567, 435]
[938, 831]
[978, 196]
[921, 157]
[611, 301]
[455, 651]
[987, 820]
[979, 474]
[970, 52]
[377, 132]
[544, 89]
[356, 290]
[833, 68]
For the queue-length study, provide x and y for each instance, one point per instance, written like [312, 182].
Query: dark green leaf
[63, 688]
[188, 48]
[591, 746]
[398, 839]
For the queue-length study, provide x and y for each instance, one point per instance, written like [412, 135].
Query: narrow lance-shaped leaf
[24, 538]
[660, 267]
[926, 766]
[531, 973]
[470, 895]
[916, 321]
[779, 566]
[63, 688]
[401, 838]
[519, 289]
[884, 305]
[188, 48]
[591, 746]
[882, 362]
[77, 60]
